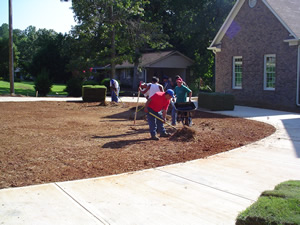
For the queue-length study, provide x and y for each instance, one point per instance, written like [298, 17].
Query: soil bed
[45, 142]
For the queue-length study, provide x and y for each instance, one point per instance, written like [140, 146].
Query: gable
[287, 13]
[173, 61]
[168, 59]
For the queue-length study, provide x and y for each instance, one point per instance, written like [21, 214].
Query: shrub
[74, 87]
[93, 93]
[90, 82]
[105, 82]
[215, 101]
[42, 83]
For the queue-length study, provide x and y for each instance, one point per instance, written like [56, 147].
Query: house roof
[286, 11]
[289, 12]
[149, 59]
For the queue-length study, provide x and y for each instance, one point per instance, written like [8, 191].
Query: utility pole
[11, 51]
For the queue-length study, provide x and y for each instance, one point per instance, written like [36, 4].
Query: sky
[49, 14]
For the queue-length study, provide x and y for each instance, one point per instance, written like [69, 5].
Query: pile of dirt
[184, 134]
[141, 115]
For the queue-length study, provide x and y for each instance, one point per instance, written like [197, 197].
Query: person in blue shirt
[181, 92]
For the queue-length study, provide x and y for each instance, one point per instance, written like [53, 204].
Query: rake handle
[162, 120]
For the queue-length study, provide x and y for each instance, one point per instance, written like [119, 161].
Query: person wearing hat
[158, 105]
[181, 92]
[150, 89]
[114, 90]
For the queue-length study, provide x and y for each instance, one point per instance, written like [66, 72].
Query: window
[269, 72]
[237, 73]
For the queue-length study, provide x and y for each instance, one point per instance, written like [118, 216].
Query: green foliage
[191, 26]
[106, 83]
[74, 87]
[43, 84]
[280, 206]
[4, 52]
[109, 32]
[26, 88]
[90, 82]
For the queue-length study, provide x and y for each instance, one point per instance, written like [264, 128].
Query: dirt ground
[43, 142]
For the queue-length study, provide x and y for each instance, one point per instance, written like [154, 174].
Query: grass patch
[279, 206]
[26, 88]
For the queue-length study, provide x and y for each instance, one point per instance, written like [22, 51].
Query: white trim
[298, 78]
[265, 74]
[279, 18]
[234, 11]
[292, 42]
[233, 72]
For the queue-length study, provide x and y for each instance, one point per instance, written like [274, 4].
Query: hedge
[215, 101]
[93, 93]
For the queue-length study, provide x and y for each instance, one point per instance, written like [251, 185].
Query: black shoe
[154, 137]
[165, 135]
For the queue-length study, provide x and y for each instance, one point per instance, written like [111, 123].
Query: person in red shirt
[158, 105]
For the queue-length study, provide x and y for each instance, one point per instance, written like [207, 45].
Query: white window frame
[234, 63]
[265, 72]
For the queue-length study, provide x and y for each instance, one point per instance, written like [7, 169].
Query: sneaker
[154, 137]
[165, 135]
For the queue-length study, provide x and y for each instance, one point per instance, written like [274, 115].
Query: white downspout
[298, 77]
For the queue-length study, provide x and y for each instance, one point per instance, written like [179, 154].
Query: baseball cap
[170, 92]
[179, 79]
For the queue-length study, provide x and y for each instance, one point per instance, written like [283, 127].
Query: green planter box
[93, 93]
[216, 101]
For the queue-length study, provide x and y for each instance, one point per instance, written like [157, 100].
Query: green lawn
[27, 88]
[279, 206]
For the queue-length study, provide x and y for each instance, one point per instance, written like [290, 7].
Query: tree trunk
[135, 81]
[113, 46]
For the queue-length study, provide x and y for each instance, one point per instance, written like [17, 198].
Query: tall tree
[4, 52]
[191, 25]
[107, 22]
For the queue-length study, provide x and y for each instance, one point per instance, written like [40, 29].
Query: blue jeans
[114, 95]
[154, 123]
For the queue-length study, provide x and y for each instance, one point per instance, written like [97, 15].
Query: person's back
[153, 89]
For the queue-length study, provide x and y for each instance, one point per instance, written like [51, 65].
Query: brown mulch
[45, 142]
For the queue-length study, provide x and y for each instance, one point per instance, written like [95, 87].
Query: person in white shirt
[114, 90]
[150, 89]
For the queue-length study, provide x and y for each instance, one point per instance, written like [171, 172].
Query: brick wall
[254, 33]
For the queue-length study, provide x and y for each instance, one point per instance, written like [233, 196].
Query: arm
[190, 96]
[146, 89]
[164, 115]
[161, 88]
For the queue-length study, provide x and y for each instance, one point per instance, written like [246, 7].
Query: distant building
[159, 64]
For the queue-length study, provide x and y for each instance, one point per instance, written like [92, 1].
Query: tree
[105, 24]
[191, 25]
[4, 52]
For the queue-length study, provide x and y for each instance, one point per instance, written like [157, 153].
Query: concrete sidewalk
[205, 191]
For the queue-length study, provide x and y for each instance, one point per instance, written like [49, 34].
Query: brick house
[257, 54]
